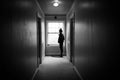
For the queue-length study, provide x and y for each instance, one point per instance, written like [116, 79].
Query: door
[52, 33]
[39, 35]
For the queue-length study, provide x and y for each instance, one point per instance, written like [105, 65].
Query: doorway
[72, 33]
[39, 39]
[52, 33]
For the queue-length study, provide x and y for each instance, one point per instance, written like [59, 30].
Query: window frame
[49, 21]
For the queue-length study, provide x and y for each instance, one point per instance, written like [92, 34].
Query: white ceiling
[48, 7]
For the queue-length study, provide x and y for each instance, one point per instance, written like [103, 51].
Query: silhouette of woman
[60, 41]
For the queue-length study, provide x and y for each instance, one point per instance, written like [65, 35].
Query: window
[53, 32]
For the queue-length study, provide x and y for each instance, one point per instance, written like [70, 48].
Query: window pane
[52, 38]
[55, 26]
[53, 32]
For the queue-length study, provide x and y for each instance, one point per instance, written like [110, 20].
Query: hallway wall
[95, 40]
[19, 39]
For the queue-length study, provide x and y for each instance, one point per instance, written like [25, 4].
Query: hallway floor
[56, 68]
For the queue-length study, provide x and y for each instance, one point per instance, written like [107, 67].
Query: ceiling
[62, 9]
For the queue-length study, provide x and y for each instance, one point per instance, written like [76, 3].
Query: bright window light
[55, 26]
[52, 38]
[53, 32]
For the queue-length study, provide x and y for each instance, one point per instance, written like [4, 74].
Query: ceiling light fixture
[56, 3]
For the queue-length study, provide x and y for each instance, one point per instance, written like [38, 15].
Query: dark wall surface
[18, 35]
[96, 39]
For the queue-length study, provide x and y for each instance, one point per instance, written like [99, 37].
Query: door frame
[72, 37]
[39, 39]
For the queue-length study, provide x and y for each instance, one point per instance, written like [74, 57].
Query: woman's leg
[61, 49]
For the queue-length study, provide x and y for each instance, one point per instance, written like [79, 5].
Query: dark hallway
[29, 48]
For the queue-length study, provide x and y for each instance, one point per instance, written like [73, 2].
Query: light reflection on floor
[55, 60]
[56, 68]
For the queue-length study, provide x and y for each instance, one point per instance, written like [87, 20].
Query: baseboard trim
[35, 73]
[75, 69]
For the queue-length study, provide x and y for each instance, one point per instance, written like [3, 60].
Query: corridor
[56, 68]
[29, 31]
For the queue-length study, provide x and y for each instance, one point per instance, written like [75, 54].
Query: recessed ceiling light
[55, 4]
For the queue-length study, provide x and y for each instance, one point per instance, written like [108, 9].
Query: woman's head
[60, 30]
